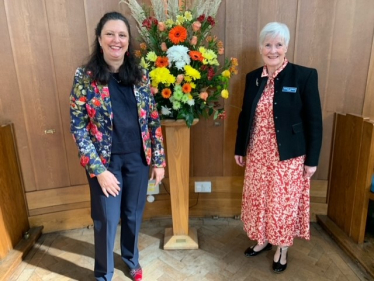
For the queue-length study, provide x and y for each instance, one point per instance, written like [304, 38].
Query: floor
[68, 255]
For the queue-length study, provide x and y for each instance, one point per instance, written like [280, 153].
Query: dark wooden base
[362, 253]
[15, 256]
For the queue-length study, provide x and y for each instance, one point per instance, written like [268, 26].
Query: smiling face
[273, 52]
[114, 41]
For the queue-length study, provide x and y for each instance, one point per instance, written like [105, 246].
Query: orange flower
[166, 93]
[203, 95]
[221, 51]
[138, 53]
[196, 55]
[162, 62]
[143, 46]
[186, 88]
[220, 44]
[178, 34]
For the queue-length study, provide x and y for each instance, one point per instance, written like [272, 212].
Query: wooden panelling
[70, 48]
[224, 201]
[13, 213]
[44, 41]
[369, 93]
[208, 132]
[29, 36]
[11, 105]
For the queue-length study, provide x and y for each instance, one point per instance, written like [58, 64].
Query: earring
[127, 53]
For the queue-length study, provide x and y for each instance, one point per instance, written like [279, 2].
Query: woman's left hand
[309, 171]
[157, 174]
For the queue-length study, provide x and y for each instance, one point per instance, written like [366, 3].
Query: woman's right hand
[240, 160]
[109, 183]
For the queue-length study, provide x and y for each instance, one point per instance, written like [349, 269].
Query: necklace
[118, 81]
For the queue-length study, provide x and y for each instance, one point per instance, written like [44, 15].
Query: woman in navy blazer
[115, 123]
[279, 139]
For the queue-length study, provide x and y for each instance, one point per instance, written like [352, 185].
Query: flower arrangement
[181, 56]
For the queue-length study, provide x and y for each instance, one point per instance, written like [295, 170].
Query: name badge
[289, 89]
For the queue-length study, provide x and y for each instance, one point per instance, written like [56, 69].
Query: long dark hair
[129, 72]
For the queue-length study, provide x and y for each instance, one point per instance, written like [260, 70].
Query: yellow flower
[161, 75]
[192, 72]
[143, 63]
[202, 50]
[193, 85]
[169, 23]
[226, 73]
[187, 78]
[180, 19]
[151, 56]
[224, 93]
[188, 15]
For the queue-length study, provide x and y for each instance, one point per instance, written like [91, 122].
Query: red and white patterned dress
[275, 204]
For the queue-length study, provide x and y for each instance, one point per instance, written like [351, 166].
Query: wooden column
[178, 160]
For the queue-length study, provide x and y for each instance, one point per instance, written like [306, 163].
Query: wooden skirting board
[69, 208]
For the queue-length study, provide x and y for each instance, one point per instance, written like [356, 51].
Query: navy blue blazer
[297, 112]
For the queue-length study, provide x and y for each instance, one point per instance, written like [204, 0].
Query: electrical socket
[203, 186]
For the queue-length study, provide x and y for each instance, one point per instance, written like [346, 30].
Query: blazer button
[276, 117]
[280, 144]
[275, 103]
[277, 131]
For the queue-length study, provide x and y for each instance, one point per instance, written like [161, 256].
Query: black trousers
[132, 172]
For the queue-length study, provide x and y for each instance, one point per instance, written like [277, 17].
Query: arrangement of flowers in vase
[181, 56]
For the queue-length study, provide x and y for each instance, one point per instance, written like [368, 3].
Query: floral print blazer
[91, 122]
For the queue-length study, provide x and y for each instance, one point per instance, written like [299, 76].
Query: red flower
[94, 129]
[96, 102]
[83, 99]
[154, 115]
[211, 21]
[222, 115]
[84, 160]
[210, 73]
[159, 132]
[103, 160]
[105, 93]
[147, 23]
[201, 18]
[90, 111]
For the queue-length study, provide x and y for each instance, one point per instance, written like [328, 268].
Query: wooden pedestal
[178, 160]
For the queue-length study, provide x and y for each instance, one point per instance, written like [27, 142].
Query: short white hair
[273, 30]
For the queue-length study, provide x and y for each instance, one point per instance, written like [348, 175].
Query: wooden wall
[44, 41]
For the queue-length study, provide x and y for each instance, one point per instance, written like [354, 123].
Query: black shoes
[277, 266]
[251, 253]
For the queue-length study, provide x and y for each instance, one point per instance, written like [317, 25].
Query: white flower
[191, 102]
[165, 110]
[179, 55]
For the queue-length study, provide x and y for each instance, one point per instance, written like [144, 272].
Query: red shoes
[136, 274]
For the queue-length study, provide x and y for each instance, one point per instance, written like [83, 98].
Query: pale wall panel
[11, 105]
[314, 35]
[241, 42]
[67, 27]
[29, 35]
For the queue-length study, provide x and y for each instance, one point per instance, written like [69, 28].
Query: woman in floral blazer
[115, 123]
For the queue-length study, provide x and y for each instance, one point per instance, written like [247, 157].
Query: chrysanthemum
[166, 93]
[143, 63]
[186, 88]
[161, 75]
[179, 56]
[176, 105]
[151, 56]
[185, 99]
[196, 55]
[162, 62]
[192, 72]
[188, 15]
[178, 34]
